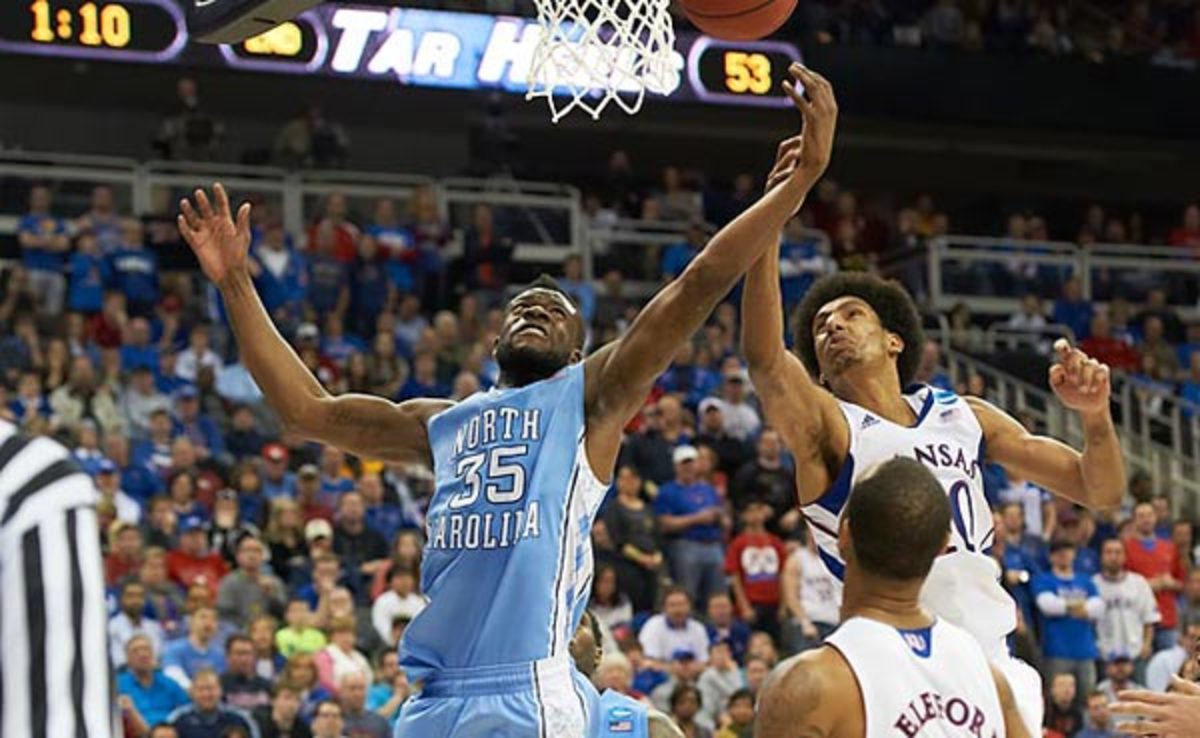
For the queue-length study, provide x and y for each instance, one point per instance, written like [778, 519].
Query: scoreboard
[404, 46]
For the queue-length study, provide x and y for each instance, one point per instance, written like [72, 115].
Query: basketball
[738, 20]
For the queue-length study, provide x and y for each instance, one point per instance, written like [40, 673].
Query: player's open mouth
[532, 328]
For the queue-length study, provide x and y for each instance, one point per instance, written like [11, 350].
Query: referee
[55, 677]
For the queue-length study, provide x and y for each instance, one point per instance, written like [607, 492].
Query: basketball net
[596, 52]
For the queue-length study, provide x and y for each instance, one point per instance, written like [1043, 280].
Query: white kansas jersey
[964, 585]
[933, 682]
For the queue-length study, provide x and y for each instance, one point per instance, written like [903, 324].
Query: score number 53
[747, 73]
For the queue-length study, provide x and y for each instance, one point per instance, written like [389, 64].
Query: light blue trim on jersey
[622, 717]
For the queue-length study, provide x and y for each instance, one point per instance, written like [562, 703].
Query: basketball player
[860, 336]
[55, 672]
[521, 469]
[619, 716]
[891, 668]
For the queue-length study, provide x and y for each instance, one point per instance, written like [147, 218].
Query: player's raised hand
[220, 244]
[786, 157]
[813, 97]
[1081, 383]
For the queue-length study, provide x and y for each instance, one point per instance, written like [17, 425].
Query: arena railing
[1174, 467]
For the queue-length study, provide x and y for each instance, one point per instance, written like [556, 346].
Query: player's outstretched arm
[813, 695]
[1095, 477]
[362, 424]
[620, 374]
[1014, 724]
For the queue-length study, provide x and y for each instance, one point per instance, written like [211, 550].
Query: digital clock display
[741, 73]
[130, 30]
[297, 46]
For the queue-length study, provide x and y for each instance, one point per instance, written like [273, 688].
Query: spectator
[102, 220]
[723, 625]
[741, 419]
[1072, 310]
[1155, 346]
[634, 532]
[154, 695]
[1030, 316]
[132, 621]
[382, 515]
[580, 289]
[186, 657]
[241, 684]
[285, 538]
[689, 511]
[811, 598]
[1130, 611]
[352, 693]
[30, 401]
[299, 636]
[1032, 549]
[740, 709]
[363, 551]
[802, 259]
[1037, 506]
[391, 689]
[309, 497]
[197, 355]
[650, 450]
[44, 246]
[193, 563]
[282, 274]
[327, 720]
[676, 257]
[769, 480]
[249, 591]
[396, 243]
[277, 480]
[754, 562]
[312, 140]
[401, 600]
[609, 605]
[301, 673]
[189, 133]
[732, 453]
[1187, 233]
[929, 371]
[371, 289]
[1168, 662]
[1158, 561]
[339, 657]
[1156, 306]
[135, 270]
[387, 373]
[282, 719]
[487, 253]
[685, 706]
[1062, 712]
[84, 398]
[1099, 721]
[328, 275]
[268, 662]
[1103, 347]
[206, 716]
[673, 632]
[332, 235]
[125, 546]
[90, 273]
[335, 476]
[164, 601]
[720, 679]
[1118, 672]
[1069, 603]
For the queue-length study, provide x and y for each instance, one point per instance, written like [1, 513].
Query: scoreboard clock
[122, 30]
[740, 73]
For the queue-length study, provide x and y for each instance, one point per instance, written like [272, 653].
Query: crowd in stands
[260, 584]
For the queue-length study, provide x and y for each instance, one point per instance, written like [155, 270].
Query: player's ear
[895, 344]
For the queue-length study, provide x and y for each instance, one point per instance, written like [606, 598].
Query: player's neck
[892, 603]
[876, 391]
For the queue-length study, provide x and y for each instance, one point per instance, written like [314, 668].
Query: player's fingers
[1143, 728]
[798, 100]
[222, 199]
[788, 145]
[202, 202]
[1183, 686]
[1058, 375]
[1139, 698]
[185, 229]
[243, 220]
[189, 213]
[1062, 347]
[1087, 376]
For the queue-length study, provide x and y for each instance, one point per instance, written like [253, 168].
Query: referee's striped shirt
[55, 677]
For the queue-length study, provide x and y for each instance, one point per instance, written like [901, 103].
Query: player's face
[540, 335]
[847, 332]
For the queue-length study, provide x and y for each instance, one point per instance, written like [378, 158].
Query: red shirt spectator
[1101, 346]
[334, 227]
[1187, 234]
[755, 560]
[192, 563]
[1157, 560]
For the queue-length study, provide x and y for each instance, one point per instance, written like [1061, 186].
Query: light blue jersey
[508, 559]
[622, 716]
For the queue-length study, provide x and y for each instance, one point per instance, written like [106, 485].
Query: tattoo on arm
[791, 701]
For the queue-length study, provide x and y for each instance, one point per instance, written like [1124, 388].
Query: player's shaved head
[899, 520]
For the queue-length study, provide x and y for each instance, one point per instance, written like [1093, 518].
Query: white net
[596, 52]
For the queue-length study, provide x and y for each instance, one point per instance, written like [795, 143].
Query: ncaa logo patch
[620, 720]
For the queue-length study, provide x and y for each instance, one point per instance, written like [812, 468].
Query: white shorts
[1026, 686]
